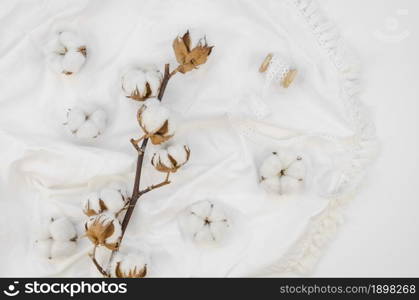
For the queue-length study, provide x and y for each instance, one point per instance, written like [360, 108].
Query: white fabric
[47, 172]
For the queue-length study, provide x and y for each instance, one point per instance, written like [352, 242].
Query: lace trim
[363, 148]
[278, 69]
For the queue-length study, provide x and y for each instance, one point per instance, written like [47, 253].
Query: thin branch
[97, 265]
[135, 143]
[166, 78]
[156, 186]
[136, 189]
[141, 150]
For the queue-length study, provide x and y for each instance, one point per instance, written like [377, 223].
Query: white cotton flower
[70, 40]
[111, 199]
[62, 249]
[66, 53]
[56, 239]
[72, 62]
[131, 265]
[180, 153]
[62, 229]
[171, 159]
[54, 46]
[283, 173]
[141, 83]
[154, 119]
[43, 247]
[105, 230]
[86, 124]
[92, 205]
[154, 115]
[206, 222]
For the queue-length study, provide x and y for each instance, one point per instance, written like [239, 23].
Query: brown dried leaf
[136, 95]
[159, 139]
[83, 50]
[188, 58]
[186, 68]
[186, 38]
[200, 54]
[99, 231]
[161, 135]
[133, 273]
[162, 167]
[181, 50]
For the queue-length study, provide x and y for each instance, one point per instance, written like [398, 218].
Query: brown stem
[141, 150]
[166, 78]
[156, 186]
[97, 265]
[136, 189]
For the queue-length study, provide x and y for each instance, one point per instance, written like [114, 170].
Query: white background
[381, 233]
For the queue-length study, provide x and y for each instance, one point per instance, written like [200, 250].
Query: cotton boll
[204, 235]
[55, 62]
[132, 80]
[154, 78]
[289, 185]
[271, 166]
[62, 230]
[99, 118]
[66, 53]
[272, 184]
[92, 205]
[155, 115]
[88, 130]
[70, 40]
[283, 172]
[43, 232]
[72, 62]
[296, 170]
[193, 223]
[86, 124]
[140, 84]
[170, 160]
[75, 118]
[105, 230]
[43, 248]
[131, 265]
[62, 249]
[113, 200]
[153, 119]
[287, 157]
[179, 153]
[219, 230]
[162, 162]
[217, 214]
[202, 208]
[205, 223]
[55, 47]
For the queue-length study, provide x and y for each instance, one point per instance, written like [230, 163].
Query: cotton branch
[136, 193]
[189, 58]
[97, 265]
[141, 150]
